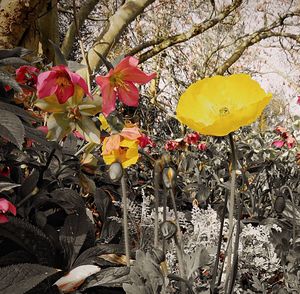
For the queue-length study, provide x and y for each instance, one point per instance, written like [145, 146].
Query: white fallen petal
[71, 281]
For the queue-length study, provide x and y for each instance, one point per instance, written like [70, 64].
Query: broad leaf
[11, 128]
[6, 186]
[7, 80]
[16, 61]
[20, 278]
[59, 57]
[15, 52]
[72, 236]
[109, 277]
[30, 238]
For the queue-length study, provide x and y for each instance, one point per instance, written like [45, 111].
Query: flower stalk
[231, 208]
[125, 219]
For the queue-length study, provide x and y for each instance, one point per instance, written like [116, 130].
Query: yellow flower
[221, 104]
[127, 153]
[122, 147]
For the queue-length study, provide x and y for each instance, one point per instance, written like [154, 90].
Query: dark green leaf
[59, 57]
[11, 128]
[7, 80]
[30, 183]
[20, 278]
[6, 186]
[72, 236]
[110, 277]
[16, 61]
[30, 238]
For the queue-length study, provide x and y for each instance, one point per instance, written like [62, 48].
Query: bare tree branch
[256, 37]
[82, 15]
[164, 43]
[116, 25]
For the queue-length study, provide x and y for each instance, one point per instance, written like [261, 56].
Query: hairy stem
[231, 209]
[125, 220]
[215, 270]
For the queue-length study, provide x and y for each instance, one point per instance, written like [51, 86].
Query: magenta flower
[278, 143]
[61, 82]
[171, 145]
[145, 141]
[119, 82]
[27, 75]
[298, 100]
[192, 139]
[202, 146]
[6, 206]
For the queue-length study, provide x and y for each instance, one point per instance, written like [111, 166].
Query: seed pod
[168, 229]
[115, 171]
[169, 177]
[279, 204]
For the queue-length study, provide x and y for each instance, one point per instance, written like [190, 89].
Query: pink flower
[278, 144]
[61, 82]
[192, 138]
[171, 145]
[280, 130]
[27, 75]
[6, 206]
[298, 100]
[202, 146]
[145, 141]
[290, 141]
[119, 82]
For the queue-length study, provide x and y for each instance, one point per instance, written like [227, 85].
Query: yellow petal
[220, 105]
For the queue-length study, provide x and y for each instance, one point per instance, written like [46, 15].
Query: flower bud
[168, 230]
[169, 177]
[115, 171]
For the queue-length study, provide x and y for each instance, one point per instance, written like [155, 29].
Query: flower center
[74, 113]
[224, 111]
[117, 81]
[63, 80]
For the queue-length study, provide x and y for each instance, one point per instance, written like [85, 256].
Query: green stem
[125, 220]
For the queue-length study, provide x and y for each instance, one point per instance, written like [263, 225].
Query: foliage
[72, 231]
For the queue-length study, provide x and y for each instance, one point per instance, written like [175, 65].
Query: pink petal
[130, 73]
[12, 208]
[4, 205]
[112, 143]
[78, 80]
[131, 133]
[108, 95]
[135, 75]
[290, 141]
[46, 84]
[278, 143]
[129, 95]
[3, 219]
[128, 61]
[64, 93]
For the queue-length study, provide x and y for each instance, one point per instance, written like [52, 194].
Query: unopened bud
[115, 171]
[168, 230]
[169, 177]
